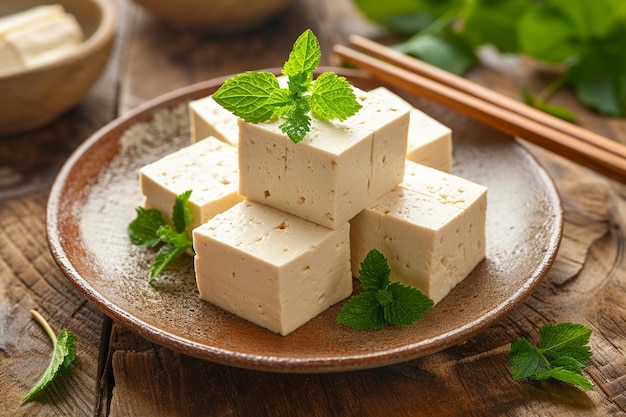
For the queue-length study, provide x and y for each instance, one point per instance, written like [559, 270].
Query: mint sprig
[64, 354]
[383, 302]
[150, 229]
[257, 97]
[563, 354]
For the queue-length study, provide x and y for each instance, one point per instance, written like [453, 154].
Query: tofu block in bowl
[431, 229]
[208, 168]
[336, 171]
[270, 267]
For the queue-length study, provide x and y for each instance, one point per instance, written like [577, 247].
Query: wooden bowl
[216, 16]
[35, 96]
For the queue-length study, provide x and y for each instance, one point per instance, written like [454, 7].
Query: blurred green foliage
[587, 38]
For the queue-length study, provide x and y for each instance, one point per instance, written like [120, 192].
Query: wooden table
[120, 374]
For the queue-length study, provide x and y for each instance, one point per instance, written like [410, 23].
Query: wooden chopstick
[585, 153]
[458, 83]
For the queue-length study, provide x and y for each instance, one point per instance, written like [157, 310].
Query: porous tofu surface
[336, 171]
[430, 142]
[207, 118]
[431, 228]
[209, 168]
[270, 267]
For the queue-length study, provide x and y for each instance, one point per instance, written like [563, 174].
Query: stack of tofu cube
[280, 229]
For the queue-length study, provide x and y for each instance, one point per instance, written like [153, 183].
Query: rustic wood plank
[29, 277]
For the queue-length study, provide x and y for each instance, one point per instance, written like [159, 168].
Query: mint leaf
[333, 98]
[150, 229]
[143, 230]
[257, 97]
[246, 95]
[374, 271]
[166, 255]
[563, 353]
[566, 376]
[296, 121]
[362, 312]
[525, 360]
[181, 216]
[408, 305]
[566, 340]
[304, 57]
[383, 302]
[64, 354]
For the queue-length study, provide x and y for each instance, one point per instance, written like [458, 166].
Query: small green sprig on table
[64, 354]
[383, 302]
[150, 229]
[563, 354]
[257, 96]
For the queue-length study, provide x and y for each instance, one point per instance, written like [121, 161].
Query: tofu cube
[431, 229]
[207, 118]
[429, 141]
[270, 267]
[339, 168]
[208, 168]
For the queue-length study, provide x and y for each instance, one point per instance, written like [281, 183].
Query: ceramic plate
[95, 194]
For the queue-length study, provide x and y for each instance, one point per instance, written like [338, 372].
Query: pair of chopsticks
[499, 112]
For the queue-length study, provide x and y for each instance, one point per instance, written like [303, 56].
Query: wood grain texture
[587, 283]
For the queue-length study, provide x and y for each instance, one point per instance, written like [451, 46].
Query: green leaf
[409, 304]
[592, 19]
[143, 229]
[495, 22]
[166, 255]
[383, 12]
[410, 23]
[305, 55]
[296, 121]
[599, 78]
[374, 271]
[279, 99]
[172, 237]
[525, 360]
[383, 302]
[362, 312]
[333, 98]
[447, 51]
[181, 216]
[176, 239]
[549, 35]
[246, 95]
[566, 376]
[64, 354]
[557, 111]
[565, 339]
[563, 354]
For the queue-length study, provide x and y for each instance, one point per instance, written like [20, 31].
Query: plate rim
[268, 362]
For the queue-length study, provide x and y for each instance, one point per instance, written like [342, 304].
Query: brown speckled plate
[93, 200]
